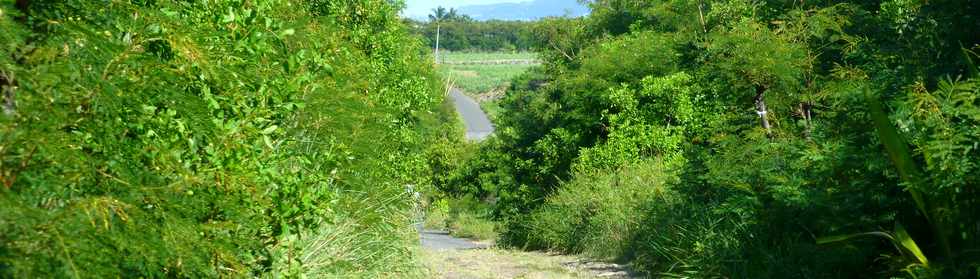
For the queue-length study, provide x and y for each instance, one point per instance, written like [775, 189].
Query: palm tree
[439, 14]
[452, 15]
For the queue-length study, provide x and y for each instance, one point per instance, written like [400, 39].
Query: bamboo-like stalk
[900, 154]
[704, 26]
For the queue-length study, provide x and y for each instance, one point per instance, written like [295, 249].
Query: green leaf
[270, 129]
[268, 142]
[900, 238]
[908, 169]
[898, 151]
[228, 17]
[149, 109]
[909, 244]
[970, 65]
[847, 237]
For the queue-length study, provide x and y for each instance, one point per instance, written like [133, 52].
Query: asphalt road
[440, 240]
[478, 126]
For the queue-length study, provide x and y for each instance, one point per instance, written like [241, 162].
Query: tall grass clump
[469, 217]
[473, 226]
[270, 138]
[597, 213]
[462, 217]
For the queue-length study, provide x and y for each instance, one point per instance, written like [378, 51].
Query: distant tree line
[460, 32]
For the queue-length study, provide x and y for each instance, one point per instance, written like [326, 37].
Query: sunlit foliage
[808, 139]
[202, 139]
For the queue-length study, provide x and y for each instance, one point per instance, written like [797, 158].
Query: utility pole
[438, 30]
[701, 13]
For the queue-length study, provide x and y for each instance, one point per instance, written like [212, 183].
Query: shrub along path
[449, 257]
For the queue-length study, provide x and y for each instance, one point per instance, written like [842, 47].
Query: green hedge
[211, 139]
[809, 139]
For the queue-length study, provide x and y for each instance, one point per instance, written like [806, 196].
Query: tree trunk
[760, 106]
[7, 88]
[804, 110]
[23, 5]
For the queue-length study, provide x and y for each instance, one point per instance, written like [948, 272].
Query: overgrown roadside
[212, 139]
[450, 219]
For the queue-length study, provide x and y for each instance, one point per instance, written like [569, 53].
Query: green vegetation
[437, 215]
[462, 217]
[481, 75]
[455, 57]
[469, 218]
[459, 32]
[203, 139]
[481, 79]
[745, 139]
[473, 226]
[597, 212]
[690, 138]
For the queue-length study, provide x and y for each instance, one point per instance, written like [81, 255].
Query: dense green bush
[596, 213]
[463, 217]
[471, 225]
[211, 138]
[803, 139]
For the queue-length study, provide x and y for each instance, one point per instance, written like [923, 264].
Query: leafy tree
[791, 127]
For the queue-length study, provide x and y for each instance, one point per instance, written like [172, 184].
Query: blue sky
[422, 8]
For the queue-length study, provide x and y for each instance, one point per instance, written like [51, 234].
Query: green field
[483, 81]
[449, 57]
[480, 79]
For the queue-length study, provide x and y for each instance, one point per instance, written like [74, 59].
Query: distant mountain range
[530, 10]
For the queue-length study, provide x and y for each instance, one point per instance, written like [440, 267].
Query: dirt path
[453, 258]
[478, 126]
[440, 240]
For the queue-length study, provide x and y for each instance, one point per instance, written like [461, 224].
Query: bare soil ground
[452, 258]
